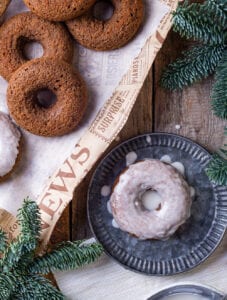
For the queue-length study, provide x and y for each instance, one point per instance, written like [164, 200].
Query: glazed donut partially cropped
[110, 34]
[41, 75]
[27, 27]
[174, 209]
[58, 10]
[10, 137]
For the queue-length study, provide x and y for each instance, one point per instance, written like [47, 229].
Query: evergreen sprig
[206, 23]
[217, 169]
[195, 21]
[21, 269]
[68, 255]
[197, 63]
[219, 94]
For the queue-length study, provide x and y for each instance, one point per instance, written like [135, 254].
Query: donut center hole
[45, 98]
[151, 200]
[103, 10]
[30, 49]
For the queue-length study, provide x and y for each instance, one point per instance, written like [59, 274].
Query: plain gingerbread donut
[26, 27]
[58, 10]
[58, 76]
[111, 34]
[3, 6]
[159, 223]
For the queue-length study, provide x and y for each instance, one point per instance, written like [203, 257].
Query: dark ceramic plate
[186, 289]
[193, 242]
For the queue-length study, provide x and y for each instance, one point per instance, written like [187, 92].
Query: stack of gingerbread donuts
[54, 24]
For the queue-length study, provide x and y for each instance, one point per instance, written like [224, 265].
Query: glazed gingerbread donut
[32, 112]
[27, 27]
[10, 139]
[110, 34]
[164, 220]
[59, 10]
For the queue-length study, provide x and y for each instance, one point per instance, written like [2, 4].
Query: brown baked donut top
[25, 27]
[58, 10]
[58, 76]
[113, 33]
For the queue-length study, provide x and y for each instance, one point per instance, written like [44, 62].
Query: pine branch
[219, 94]
[196, 63]
[69, 255]
[29, 219]
[25, 244]
[7, 286]
[36, 288]
[217, 10]
[202, 22]
[3, 240]
[217, 168]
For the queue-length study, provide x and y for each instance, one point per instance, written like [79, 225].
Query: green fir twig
[197, 63]
[219, 94]
[196, 21]
[69, 255]
[21, 269]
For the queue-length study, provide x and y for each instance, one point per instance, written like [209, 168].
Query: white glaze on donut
[166, 159]
[105, 190]
[9, 144]
[131, 157]
[155, 224]
[179, 166]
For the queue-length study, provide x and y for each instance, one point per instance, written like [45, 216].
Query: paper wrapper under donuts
[96, 138]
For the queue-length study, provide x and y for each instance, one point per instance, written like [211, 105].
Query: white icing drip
[9, 144]
[166, 159]
[131, 158]
[179, 167]
[114, 224]
[109, 207]
[151, 200]
[148, 139]
[105, 190]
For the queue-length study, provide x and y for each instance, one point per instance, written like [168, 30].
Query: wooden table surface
[186, 112]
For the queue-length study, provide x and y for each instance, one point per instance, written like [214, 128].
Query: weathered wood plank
[62, 229]
[187, 112]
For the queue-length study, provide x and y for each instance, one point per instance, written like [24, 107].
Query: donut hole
[151, 200]
[103, 10]
[30, 49]
[45, 98]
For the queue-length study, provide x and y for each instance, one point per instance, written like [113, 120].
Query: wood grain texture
[160, 110]
[187, 112]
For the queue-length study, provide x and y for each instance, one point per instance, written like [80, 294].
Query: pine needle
[29, 219]
[219, 94]
[69, 255]
[21, 250]
[217, 169]
[196, 63]
[3, 240]
[35, 287]
[7, 286]
[201, 22]
[21, 271]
